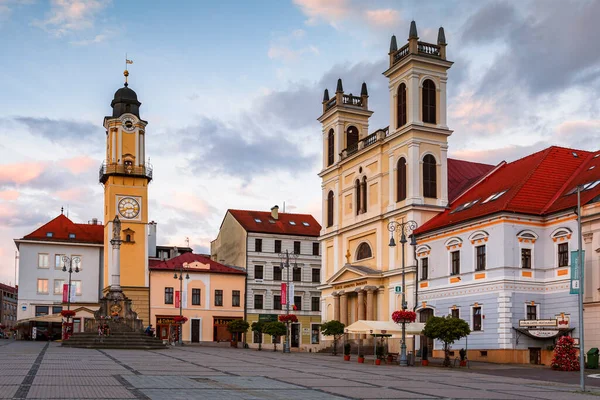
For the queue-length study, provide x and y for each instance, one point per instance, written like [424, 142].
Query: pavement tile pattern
[36, 370]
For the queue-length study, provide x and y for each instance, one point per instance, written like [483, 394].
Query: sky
[231, 91]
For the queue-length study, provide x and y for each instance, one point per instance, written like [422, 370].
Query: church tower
[125, 175]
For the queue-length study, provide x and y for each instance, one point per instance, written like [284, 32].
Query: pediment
[347, 276]
[350, 272]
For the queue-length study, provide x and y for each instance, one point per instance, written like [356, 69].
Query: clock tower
[125, 175]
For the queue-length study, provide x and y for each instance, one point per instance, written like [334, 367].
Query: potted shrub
[236, 327]
[333, 328]
[347, 352]
[361, 358]
[379, 350]
[424, 360]
[463, 357]
[275, 329]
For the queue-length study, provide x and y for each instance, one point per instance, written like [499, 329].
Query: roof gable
[195, 263]
[62, 228]
[286, 223]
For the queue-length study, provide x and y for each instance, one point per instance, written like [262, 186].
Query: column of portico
[344, 308]
[336, 306]
[370, 305]
[361, 307]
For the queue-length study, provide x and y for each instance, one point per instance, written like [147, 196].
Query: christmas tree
[565, 355]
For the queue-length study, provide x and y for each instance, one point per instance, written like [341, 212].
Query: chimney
[94, 221]
[275, 212]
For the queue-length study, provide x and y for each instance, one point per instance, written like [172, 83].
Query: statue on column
[116, 228]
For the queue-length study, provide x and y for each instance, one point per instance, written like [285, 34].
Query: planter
[361, 360]
[463, 363]
[390, 359]
[346, 358]
[378, 362]
[424, 363]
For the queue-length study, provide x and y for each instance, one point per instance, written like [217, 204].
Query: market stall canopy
[43, 318]
[384, 328]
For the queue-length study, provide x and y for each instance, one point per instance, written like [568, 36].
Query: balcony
[108, 169]
[370, 140]
[423, 49]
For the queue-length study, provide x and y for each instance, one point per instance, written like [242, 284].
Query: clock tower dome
[125, 176]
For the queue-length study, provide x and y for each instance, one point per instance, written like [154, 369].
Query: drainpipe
[246, 291]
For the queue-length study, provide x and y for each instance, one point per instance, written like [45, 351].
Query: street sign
[398, 290]
[575, 268]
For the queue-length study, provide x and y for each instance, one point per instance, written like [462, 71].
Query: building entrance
[195, 331]
[295, 335]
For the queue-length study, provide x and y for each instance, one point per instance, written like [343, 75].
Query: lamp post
[405, 228]
[180, 277]
[70, 261]
[285, 263]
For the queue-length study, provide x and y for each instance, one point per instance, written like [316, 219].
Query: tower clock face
[129, 207]
[128, 124]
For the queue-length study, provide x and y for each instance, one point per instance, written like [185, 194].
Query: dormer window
[257, 220]
[49, 234]
[292, 223]
[495, 196]
[71, 236]
[305, 224]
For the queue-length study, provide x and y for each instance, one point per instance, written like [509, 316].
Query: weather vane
[126, 73]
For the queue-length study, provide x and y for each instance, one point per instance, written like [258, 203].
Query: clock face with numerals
[128, 124]
[129, 207]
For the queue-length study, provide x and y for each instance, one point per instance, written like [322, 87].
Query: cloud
[9, 195]
[287, 54]
[64, 131]
[331, 11]
[67, 16]
[489, 23]
[96, 39]
[383, 17]
[337, 13]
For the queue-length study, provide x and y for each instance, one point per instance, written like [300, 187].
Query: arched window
[401, 103]
[352, 138]
[330, 209]
[364, 194]
[357, 194]
[401, 180]
[330, 147]
[363, 251]
[429, 177]
[429, 101]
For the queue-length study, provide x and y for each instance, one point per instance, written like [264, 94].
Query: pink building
[209, 294]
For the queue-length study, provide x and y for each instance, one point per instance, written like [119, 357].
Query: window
[257, 220]
[352, 138]
[42, 286]
[293, 223]
[78, 264]
[358, 197]
[330, 209]
[424, 268]
[195, 297]
[401, 180]
[42, 260]
[563, 255]
[494, 196]
[429, 177]
[258, 272]
[526, 258]
[49, 234]
[235, 298]
[219, 298]
[58, 262]
[56, 309]
[316, 275]
[401, 102]
[476, 318]
[531, 312]
[41, 310]
[258, 301]
[363, 251]
[71, 236]
[258, 245]
[305, 224]
[298, 303]
[278, 246]
[455, 313]
[296, 247]
[297, 274]
[277, 302]
[314, 303]
[480, 258]
[429, 101]
[168, 295]
[316, 248]
[277, 273]
[330, 147]
[257, 337]
[363, 192]
[58, 286]
[315, 333]
[455, 257]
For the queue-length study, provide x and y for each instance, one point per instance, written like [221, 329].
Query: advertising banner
[291, 294]
[184, 298]
[575, 268]
[73, 292]
[283, 293]
[65, 292]
[177, 299]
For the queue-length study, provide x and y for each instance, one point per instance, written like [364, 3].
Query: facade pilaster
[444, 175]
[414, 168]
[344, 308]
[336, 306]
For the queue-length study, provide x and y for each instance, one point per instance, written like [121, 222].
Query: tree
[565, 355]
[258, 328]
[236, 327]
[275, 329]
[333, 328]
[447, 330]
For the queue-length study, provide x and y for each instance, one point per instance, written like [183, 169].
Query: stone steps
[117, 340]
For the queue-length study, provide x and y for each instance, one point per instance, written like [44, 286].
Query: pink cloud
[9, 195]
[77, 165]
[383, 17]
[331, 11]
[74, 194]
[568, 128]
[21, 172]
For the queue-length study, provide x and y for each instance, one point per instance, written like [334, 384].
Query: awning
[543, 334]
[43, 318]
[384, 328]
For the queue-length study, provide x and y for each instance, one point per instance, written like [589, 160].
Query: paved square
[36, 370]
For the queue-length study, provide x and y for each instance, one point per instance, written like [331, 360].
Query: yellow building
[125, 175]
[398, 173]
[212, 294]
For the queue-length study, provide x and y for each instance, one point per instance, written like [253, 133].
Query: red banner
[177, 299]
[283, 293]
[65, 293]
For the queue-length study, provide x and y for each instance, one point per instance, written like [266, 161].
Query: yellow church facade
[398, 173]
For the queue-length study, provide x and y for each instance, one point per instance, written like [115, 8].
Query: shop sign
[267, 317]
[223, 321]
[165, 320]
[306, 331]
[563, 321]
[526, 323]
[543, 333]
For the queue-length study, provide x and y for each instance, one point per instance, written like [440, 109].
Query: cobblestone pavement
[36, 370]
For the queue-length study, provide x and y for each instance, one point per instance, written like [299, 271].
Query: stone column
[336, 306]
[344, 308]
[370, 305]
[361, 304]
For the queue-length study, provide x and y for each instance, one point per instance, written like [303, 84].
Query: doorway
[426, 343]
[195, 331]
[295, 335]
[535, 355]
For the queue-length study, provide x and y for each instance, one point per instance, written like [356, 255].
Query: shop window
[315, 333]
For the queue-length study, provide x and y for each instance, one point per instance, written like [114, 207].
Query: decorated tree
[236, 327]
[276, 329]
[258, 328]
[333, 328]
[447, 330]
[565, 355]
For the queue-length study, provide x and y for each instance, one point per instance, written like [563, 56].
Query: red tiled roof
[61, 227]
[7, 288]
[176, 262]
[462, 174]
[281, 226]
[534, 185]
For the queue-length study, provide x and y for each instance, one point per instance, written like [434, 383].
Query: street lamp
[70, 261]
[285, 263]
[405, 228]
[180, 277]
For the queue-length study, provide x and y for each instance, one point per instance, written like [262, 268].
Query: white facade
[41, 276]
